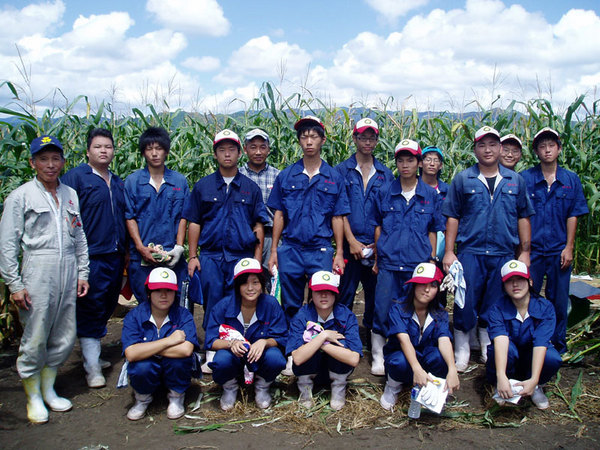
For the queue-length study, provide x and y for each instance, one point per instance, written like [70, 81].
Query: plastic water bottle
[414, 410]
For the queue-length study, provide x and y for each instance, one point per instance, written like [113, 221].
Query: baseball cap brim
[515, 273]
[308, 119]
[324, 287]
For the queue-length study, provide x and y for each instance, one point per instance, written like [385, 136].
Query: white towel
[456, 270]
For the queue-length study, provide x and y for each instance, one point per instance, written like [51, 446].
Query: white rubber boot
[484, 341]
[36, 411]
[539, 398]
[288, 372]
[138, 410]
[175, 409]
[377, 343]
[56, 403]
[229, 395]
[338, 390]
[262, 396]
[473, 339]
[305, 387]
[462, 351]
[389, 398]
[210, 355]
[90, 351]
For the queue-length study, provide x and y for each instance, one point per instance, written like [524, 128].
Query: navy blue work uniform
[226, 216]
[553, 207]
[341, 320]
[361, 202]
[268, 322]
[487, 236]
[403, 243]
[535, 330]
[146, 375]
[308, 207]
[157, 215]
[403, 319]
[103, 217]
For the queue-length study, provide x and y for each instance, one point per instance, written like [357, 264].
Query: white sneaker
[175, 409]
[539, 399]
[138, 410]
[229, 395]
[389, 398]
[288, 372]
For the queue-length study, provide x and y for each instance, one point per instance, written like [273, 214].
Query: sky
[214, 55]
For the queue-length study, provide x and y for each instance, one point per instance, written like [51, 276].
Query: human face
[48, 164]
[407, 166]
[425, 293]
[311, 143]
[251, 289]
[517, 288]
[101, 152]
[487, 151]
[432, 164]
[365, 142]
[257, 150]
[155, 156]
[324, 301]
[227, 154]
[162, 299]
[510, 155]
[548, 150]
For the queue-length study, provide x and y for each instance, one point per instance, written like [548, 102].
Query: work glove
[175, 255]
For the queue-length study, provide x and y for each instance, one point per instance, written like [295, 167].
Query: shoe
[138, 410]
[175, 409]
[262, 396]
[210, 355]
[305, 387]
[539, 399]
[229, 395]
[104, 364]
[484, 341]
[377, 343]
[90, 351]
[95, 380]
[338, 390]
[389, 398]
[56, 403]
[462, 351]
[36, 411]
[288, 372]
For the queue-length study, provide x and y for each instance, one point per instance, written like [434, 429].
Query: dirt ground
[98, 420]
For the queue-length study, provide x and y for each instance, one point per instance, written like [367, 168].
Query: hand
[238, 348]
[332, 336]
[452, 381]
[256, 350]
[504, 389]
[566, 257]
[375, 268]
[525, 258]
[175, 255]
[449, 258]
[356, 249]
[177, 337]
[339, 264]
[193, 265]
[146, 254]
[420, 377]
[447, 284]
[82, 288]
[21, 299]
[273, 261]
[528, 387]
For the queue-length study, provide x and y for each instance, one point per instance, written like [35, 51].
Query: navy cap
[42, 143]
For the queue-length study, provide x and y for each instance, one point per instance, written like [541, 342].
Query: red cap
[408, 145]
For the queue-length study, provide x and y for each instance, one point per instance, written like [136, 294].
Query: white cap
[324, 281]
[511, 137]
[313, 119]
[408, 145]
[246, 265]
[226, 135]
[365, 124]
[257, 132]
[514, 268]
[542, 132]
[484, 131]
[426, 273]
[162, 278]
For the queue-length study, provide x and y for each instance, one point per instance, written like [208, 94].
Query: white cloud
[390, 10]
[191, 16]
[203, 64]
[36, 18]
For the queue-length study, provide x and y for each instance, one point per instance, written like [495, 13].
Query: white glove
[175, 255]
[447, 284]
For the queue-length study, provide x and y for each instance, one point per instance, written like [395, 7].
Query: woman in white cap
[521, 325]
[324, 342]
[158, 339]
[419, 338]
[247, 330]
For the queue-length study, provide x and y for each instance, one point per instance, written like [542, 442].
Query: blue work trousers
[430, 358]
[354, 272]
[226, 365]
[216, 280]
[518, 364]
[390, 287]
[320, 365]
[146, 375]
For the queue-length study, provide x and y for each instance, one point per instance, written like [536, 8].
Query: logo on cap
[326, 277]
[367, 121]
[513, 265]
[226, 133]
[164, 274]
[244, 263]
[486, 129]
[46, 140]
[405, 142]
[420, 269]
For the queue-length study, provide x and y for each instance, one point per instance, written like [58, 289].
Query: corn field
[191, 134]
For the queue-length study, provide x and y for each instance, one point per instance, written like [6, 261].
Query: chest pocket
[423, 216]
[475, 197]
[72, 221]
[293, 195]
[326, 196]
[38, 220]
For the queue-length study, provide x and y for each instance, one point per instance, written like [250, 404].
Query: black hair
[94, 132]
[46, 149]
[310, 296]
[407, 152]
[222, 141]
[155, 135]
[243, 278]
[548, 135]
[434, 306]
[309, 126]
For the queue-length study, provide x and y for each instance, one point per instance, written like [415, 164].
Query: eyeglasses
[507, 151]
[429, 160]
[367, 139]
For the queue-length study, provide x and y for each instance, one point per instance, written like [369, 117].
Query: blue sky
[214, 55]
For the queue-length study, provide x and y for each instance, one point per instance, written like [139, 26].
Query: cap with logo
[426, 273]
[366, 124]
[408, 145]
[309, 119]
[486, 131]
[43, 143]
[545, 132]
[246, 265]
[514, 268]
[162, 278]
[226, 135]
[511, 138]
[324, 281]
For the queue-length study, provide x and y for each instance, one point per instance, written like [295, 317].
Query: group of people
[497, 233]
